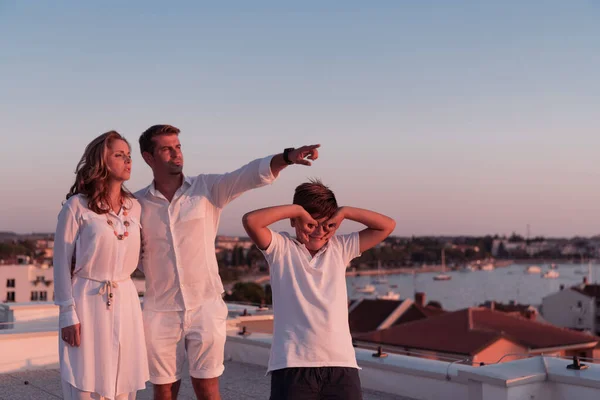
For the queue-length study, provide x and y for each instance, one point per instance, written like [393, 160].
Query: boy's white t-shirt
[310, 303]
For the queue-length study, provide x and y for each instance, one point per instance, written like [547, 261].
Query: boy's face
[317, 237]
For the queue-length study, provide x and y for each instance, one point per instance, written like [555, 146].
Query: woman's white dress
[111, 359]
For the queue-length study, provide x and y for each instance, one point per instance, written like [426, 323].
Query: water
[473, 288]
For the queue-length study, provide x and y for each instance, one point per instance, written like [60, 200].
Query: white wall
[561, 309]
[24, 276]
[26, 351]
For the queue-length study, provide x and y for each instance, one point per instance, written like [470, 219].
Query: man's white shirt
[310, 302]
[178, 243]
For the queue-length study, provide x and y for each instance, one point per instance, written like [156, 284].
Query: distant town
[238, 256]
[564, 323]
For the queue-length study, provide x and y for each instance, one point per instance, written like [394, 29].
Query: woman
[101, 346]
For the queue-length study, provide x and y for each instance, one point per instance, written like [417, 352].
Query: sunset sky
[451, 117]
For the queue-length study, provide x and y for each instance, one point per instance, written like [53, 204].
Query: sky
[454, 118]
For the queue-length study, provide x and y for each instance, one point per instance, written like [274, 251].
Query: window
[10, 297]
[44, 296]
[34, 296]
[580, 321]
[579, 304]
[10, 283]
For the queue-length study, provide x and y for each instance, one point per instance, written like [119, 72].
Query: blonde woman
[101, 342]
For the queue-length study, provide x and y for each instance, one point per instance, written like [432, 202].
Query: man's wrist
[286, 155]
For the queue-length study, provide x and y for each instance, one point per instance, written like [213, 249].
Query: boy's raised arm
[256, 222]
[378, 225]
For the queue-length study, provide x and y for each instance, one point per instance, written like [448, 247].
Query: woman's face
[118, 160]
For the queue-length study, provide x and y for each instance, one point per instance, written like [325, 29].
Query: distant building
[480, 335]
[571, 250]
[534, 248]
[25, 283]
[577, 307]
[231, 242]
[508, 246]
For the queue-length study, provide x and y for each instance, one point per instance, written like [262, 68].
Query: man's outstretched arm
[226, 187]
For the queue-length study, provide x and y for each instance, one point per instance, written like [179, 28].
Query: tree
[247, 292]
[254, 255]
[268, 294]
[502, 253]
[514, 238]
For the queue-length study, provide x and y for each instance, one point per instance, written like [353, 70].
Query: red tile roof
[370, 313]
[416, 312]
[430, 311]
[470, 330]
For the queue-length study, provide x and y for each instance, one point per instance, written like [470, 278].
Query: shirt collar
[151, 188]
[300, 244]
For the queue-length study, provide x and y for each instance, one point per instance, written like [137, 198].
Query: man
[184, 313]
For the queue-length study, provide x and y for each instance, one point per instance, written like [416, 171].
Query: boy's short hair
[316, 198]
[147, 145]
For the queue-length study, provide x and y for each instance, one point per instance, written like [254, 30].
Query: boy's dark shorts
[315, 383]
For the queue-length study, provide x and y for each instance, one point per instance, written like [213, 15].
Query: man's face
[167, 158]
[317, 237]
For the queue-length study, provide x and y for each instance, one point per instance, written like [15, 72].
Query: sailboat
[368, 289]
[380, 279]
[551, 274]
[389, 295]
[533, 269]
[443, 276]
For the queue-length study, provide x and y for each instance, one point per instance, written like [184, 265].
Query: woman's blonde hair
[92, 174]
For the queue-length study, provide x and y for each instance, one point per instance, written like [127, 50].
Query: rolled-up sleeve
[67, 229]
[226, 187]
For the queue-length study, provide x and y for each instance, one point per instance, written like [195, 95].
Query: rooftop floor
[240, 381]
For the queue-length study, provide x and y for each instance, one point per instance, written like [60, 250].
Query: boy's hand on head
[303, 154]
[333, 223]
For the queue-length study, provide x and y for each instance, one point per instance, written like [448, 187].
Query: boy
[312, 355]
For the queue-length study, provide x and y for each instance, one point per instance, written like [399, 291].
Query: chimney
[562, 287]
[530, 315]
[492, 305]
[420, 298]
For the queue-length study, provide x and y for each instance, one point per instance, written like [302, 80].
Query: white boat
[552, 274]
[533, 269]
[443, 276]
[487, 267]
[389, 295]
[366, 289]
[380, 279]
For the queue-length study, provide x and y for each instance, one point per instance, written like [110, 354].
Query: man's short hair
[146, 142]
[316, 198]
